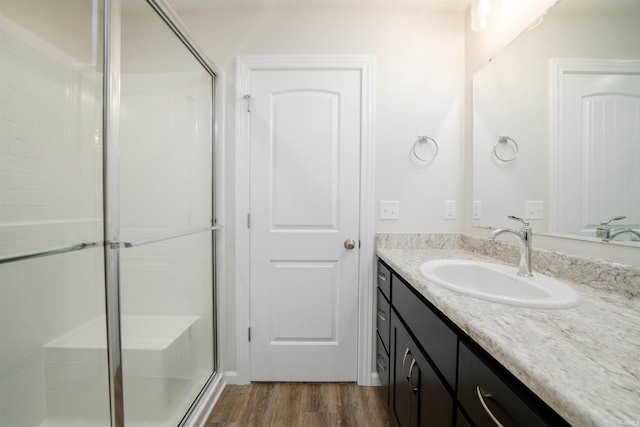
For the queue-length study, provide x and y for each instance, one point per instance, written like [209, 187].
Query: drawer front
[384, 280]
[486, 396]
[382, 367]
[383, 319]
[435, 336]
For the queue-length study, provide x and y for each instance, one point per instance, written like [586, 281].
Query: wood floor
[300, 404]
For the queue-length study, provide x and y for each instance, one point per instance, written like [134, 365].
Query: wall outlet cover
[534, 209]
[389, 209]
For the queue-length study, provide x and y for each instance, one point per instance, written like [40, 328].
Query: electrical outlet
[534, 209]
[449, 209]
[477, 209]
[389, 209]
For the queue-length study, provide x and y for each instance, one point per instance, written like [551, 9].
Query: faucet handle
[615, 218]
[517, 218]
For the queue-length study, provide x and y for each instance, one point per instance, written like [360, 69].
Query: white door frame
[244, 66]
[560, 67]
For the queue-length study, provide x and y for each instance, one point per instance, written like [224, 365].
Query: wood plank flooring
[300, 404]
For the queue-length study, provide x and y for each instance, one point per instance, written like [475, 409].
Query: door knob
[349, 244]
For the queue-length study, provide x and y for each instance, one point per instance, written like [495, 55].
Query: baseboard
[375, 379]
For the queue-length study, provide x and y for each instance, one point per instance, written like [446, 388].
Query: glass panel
[50, 124]
[53, 363]
[167, 336]
[165, 131]
[166, 188]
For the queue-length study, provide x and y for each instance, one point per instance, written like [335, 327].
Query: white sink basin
[500, 283]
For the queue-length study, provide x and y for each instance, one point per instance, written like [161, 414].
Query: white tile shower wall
[50, 159]
[165, 153]
[49, 191]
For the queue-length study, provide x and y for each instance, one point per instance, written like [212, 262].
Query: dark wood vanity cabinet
[436, 375]
[419, 397]
[383, 322]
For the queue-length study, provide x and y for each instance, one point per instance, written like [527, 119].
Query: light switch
[477, 209]
[449, 209]
[389, 209]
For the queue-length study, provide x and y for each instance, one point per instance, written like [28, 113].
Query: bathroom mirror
[556, 124]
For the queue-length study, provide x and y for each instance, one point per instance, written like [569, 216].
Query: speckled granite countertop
[584, 362]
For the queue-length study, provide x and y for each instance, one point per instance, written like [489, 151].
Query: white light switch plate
[477, 209]
[449, 209]
[389, 209]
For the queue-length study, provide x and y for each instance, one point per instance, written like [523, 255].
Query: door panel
[305, 150]
[598, 151]
[304, 167]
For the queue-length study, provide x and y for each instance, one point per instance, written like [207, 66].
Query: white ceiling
[452, 5]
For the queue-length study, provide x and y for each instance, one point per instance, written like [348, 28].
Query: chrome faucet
[605, 232]
[525, 237]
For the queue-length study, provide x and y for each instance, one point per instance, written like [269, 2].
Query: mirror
[556, 124]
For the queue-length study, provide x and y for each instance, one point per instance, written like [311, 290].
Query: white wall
[418, 89]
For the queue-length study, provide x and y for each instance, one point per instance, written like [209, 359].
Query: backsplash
[612, 277]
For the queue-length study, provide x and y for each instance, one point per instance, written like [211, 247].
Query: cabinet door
[437, 339]
[420, 398]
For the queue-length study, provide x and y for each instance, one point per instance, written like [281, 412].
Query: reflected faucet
[607, 234]
[618, 231]
[525, 237]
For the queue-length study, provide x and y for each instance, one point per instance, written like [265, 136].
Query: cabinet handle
[382, 277]
[414, 390]
[379, 362]
[481, 396]
[382, 315]
[404, 358]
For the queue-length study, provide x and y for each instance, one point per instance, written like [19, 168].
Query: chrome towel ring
[514, 146]
[423, 139]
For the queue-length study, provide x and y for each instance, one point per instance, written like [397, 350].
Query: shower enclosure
[107, 219]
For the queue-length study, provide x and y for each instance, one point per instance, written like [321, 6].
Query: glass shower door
[166, 274]
[53, 353]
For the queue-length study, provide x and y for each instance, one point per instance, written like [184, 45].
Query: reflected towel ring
[425, 139]
[505, 140]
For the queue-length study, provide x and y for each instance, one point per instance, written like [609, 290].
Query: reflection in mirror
[568, 92]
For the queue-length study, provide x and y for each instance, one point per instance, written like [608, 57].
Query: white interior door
[599, 150]
[305, 150]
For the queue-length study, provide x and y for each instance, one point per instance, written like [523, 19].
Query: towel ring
[425, 139]
[506, 140]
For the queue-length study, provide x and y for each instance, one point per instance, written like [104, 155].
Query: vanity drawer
[438, 340]
[384, 280]
[486, 390]
[383, 320]
[382, 367]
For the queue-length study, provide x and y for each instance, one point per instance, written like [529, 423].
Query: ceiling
[450, 5]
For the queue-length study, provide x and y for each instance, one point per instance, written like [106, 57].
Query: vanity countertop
[584, 362]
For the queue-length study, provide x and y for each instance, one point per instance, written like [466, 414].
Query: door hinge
[248, 220]
[249, 334]
[359, 244]
[247, 98]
